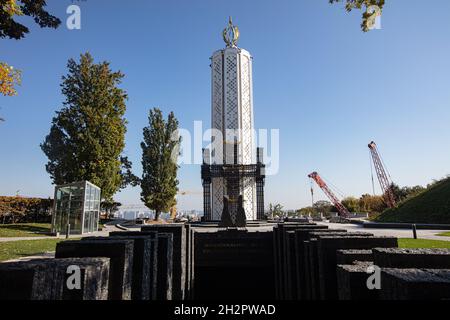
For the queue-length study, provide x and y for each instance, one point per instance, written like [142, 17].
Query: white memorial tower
[233, 161]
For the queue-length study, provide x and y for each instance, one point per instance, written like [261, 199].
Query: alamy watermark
[73, 282]
[374, 280]
[221, 146]
[73, 21]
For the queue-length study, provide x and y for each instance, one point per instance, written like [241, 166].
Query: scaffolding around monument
[234, 175]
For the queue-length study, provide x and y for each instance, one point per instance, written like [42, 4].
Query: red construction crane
[383, 178]
[343, 212]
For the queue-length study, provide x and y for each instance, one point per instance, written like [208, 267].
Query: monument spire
[231, 34]
[232, 174]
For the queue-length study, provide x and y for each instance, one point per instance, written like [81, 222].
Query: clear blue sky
[327, 86]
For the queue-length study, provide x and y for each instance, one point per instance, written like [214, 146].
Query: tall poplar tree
[87, 135]
[159, 162]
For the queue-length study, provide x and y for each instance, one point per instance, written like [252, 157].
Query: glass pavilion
[77, 204]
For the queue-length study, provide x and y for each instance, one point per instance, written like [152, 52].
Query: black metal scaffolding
[233, 174]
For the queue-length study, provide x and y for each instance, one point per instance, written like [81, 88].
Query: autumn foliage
[22, 209]
[12, 8]
[9, 78]
[11, 28]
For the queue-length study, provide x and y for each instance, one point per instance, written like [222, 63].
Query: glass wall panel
[77, 204]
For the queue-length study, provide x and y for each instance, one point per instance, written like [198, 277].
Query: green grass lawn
[444, 234]
[430, 206]
[423, 243]
[24, 230]
[18, 249]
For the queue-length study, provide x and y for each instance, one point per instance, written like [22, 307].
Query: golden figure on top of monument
[231, 34]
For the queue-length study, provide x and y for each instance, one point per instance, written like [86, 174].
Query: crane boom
[385, 183]
[343, 212]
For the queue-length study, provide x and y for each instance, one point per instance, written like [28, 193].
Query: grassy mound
[430, 206]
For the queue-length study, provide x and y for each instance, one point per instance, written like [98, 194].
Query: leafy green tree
[276, 210]
[323, 206]
[109, 207]
[404, 193]
[160, 150]
[351, 203]
[398, 193]
[372, 204]
[87, 135]
[307, 211]
[10, 9]
[368, 16]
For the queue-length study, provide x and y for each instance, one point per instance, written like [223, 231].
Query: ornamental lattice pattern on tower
[246, 114]
[249, 194]
[233, 164]
[218, 191]
[231, 95]
[217, 108]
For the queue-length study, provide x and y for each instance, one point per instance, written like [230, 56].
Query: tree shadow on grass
[27, 228]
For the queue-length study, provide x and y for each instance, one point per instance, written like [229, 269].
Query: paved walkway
[399, 233]
[45, 255]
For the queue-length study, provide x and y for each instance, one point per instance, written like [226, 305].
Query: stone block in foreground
[412, 258]
[352, 282]
[120, 253]
[46, 279]
[327, 247]
[415, 284]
